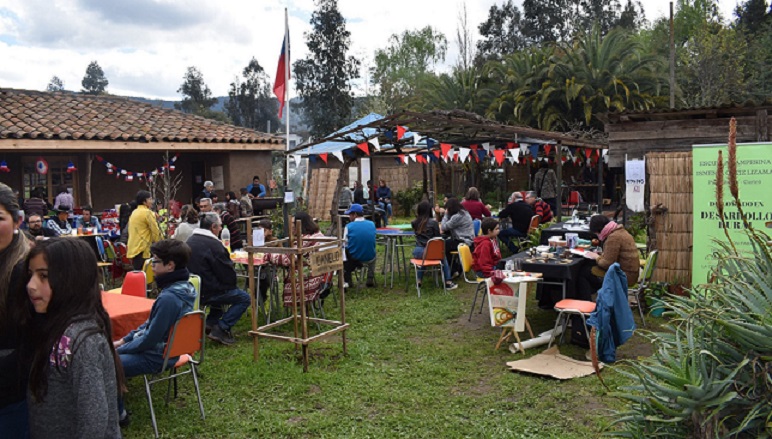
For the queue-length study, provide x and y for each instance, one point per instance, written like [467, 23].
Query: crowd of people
[58, 359]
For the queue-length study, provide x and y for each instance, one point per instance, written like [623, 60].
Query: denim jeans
[387, 208]
[238, 300]
[506, 236]
[144, 363]
[418, 253]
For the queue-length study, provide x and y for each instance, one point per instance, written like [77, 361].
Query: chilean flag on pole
[282, 70]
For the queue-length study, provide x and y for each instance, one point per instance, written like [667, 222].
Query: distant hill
[218, 106]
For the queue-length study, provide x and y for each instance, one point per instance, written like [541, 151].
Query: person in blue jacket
[383, 195]
[256, 190]
[360, 244]
[142, 350]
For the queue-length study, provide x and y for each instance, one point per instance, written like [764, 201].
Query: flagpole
[285, 207]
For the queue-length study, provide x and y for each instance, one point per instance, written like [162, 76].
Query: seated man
[539, 206]
[60, 225]
[35, 229]
[520, 213]
[212, 263]
[88, 220]
[142, 350]
[360, 244]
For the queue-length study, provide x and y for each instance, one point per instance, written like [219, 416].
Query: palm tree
[462, 89]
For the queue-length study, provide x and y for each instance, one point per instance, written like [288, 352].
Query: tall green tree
[323, 79]
[55, 84]
[548, 21]
[752, 16]
[405, 63]
[94, 82]
[501, 32]
[250, 103]
[196, 97]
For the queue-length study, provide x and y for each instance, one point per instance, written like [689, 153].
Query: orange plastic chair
[574, 198]
[533, 227]
[185, 340]
[434, 254]
[134, 284]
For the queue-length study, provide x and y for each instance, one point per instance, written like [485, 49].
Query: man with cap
[60, 225]
[520, 213]
[360, 244]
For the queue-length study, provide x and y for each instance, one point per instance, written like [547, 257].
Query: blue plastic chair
[477, 224]
[101, 247]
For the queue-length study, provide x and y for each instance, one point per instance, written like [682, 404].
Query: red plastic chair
[134, 284]
[434, 254]
[574, 198]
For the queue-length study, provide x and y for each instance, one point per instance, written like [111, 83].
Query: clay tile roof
[70, 116]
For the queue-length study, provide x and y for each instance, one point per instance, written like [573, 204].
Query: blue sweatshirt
[175, 300]
[361, 240]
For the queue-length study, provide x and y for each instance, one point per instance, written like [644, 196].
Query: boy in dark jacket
[486, 248]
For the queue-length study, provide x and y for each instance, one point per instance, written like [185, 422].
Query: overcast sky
[145, 46]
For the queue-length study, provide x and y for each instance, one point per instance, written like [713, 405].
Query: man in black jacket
[210, 260]
[520, 213]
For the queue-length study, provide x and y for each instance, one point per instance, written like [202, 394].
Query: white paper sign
[635, 179]
[258, 237]
[289, 197]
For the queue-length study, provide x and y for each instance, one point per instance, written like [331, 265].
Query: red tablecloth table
[126, 312]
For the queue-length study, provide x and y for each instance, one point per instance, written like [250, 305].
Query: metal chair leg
[476, 291]
[150, 404]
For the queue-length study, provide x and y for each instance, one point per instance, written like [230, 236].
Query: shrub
[408, 198]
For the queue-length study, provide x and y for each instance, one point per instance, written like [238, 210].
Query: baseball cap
[355, 208]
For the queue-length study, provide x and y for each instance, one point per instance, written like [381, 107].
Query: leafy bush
[406, 199]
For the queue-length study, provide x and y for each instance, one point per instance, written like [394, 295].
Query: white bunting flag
[338, 155]
[412, 157]
[523, 148]
[487, 147]
[463, 153]
[514, 156]
[375, 143]
[297, 159]
[405, 159]
[416, 138]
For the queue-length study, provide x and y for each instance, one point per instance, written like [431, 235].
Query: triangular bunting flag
[512, 160]
[445, 149]
[436, 152]
[401, 158]
[298, 158]
[523, 148]
[430, 143]
[416, 138]
[364, 147]
[412, 157]
[534, 150]
[510, 145]
[463, 153]
[375, 143]
[499, 154]
[338, 155]
[400, 132]
[514, 156]
[323, 156]
[487, 146]
[482, 154]
[547, 149]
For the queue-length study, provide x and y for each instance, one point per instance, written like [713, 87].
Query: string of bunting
[130, 175]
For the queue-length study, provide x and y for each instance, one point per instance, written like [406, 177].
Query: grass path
[415, 369]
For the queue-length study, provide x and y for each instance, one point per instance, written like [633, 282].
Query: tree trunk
[338, 185]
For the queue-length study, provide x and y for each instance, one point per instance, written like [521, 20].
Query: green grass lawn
[415, 368]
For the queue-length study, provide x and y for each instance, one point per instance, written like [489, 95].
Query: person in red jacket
[474, 206]
[486, 248]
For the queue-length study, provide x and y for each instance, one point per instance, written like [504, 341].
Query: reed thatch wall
[670, 198]
[321, 189]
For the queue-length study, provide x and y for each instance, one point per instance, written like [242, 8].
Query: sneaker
[124, 420]
[221, 336]
[450, 286]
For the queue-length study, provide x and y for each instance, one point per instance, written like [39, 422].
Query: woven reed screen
[321, 189]
[670, 184]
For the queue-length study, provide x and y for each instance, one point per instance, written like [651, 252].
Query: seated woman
[426, 228]
[458, 224]
[477, 210]
[312, 285]
[618, 246]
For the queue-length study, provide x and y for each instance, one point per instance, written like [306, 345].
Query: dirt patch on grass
[314, 389]
[295, 420]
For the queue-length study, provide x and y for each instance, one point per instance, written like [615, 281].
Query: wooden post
[559, 175]
[252, 287]
[89, 160]
[300, 283]
[294, 286]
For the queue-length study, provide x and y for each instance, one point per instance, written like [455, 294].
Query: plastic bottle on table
[225, 237]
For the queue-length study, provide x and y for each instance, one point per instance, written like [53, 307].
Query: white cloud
[145, 46]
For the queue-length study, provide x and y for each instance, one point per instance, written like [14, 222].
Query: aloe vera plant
[711, 373]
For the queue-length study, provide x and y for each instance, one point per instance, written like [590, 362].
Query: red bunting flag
[445, 149]
[323, 157]
[436, 153]
[499, 153]
[511, 145]
[364, 147]
[547, 149]
[401, 158]
[400, 132]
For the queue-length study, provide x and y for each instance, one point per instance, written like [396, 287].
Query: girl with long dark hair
[75, 374]
[426, 228]
[13, 249]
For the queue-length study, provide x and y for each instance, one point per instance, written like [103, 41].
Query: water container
[225, 237]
